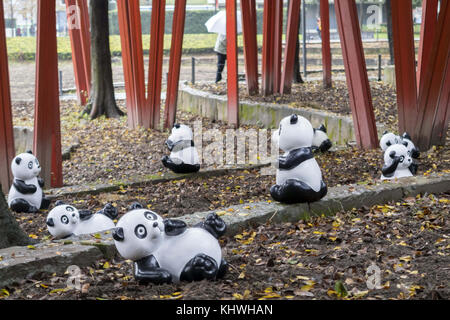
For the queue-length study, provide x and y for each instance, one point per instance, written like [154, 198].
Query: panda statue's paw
[21, 205]
[198, 268]
[296, 191]
[214, 225]
[110, 211]
[45, 204]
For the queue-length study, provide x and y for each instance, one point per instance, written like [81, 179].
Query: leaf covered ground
[406, 243]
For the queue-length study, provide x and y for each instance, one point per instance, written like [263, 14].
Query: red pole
[125, 39]
[268, 48]
[176, 47]
[278, 44]
[405, 64]
[86, 39]
[248, 10]
[291, 42]
[82, 74]
[326, 50]
[232, 64]
[7, 150]
[442, 117]
[433, 81]
[47, 134]
[427, 30]
[356, 74]
[155, 63]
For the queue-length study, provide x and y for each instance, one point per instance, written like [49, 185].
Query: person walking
[319, 27]
[221, 49]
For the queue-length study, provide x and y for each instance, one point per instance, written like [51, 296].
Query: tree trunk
[388, 9]
[102, 101]
[10, 232]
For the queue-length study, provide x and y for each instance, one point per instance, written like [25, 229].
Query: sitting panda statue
[388, 139]
[25, 194]
[65, 220]
[321, 142]
[298, 177]
[165, 250]
[183, 154]
[396, 162]
[412, 151]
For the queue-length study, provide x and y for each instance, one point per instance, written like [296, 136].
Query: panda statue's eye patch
[30, 165]
[64, 219]
[71, 209]
[140, 231]
[150, 215]
[388, 143]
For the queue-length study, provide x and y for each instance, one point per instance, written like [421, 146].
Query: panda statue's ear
[59, 203]
[135, 206]
[18, 160]
[385, 132]
[392, 154]
[30, 152]
[322, 128]
[177, 125]
[294, 119]
[406, 136]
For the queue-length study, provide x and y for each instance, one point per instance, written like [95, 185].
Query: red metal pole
[326, 50]
[442, 117]
[82, 74]
[356, 74]
[176, 47]
[47, 134]
[86, 39]
[232, 64]
[278, 44]
[7, 150]
[125, 39]
[427, 30]
[291, 42]
[433, 81]
[156, 63]
[405, 64]
[248, 10]
[268, 48]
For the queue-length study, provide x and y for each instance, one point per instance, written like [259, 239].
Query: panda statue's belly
[399, 173]
[97, 223]
[308, 172]
[186, 155]
[176, 251]
[34, 199]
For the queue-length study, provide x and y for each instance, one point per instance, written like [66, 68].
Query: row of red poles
[423, 105]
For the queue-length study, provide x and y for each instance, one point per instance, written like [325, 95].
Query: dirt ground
[395, 251]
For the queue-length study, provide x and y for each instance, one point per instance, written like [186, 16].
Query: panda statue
[396, 162]
[65, 220]
[25, 194]
[321, 142]
[166, 251]
[298, 177]
[388, 139]
[412, 151]
[183, 154]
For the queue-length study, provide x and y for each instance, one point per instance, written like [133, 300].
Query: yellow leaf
[241, 275]
[106, 265]
[31, 247]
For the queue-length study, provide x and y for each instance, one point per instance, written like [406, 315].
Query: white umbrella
[218, 23]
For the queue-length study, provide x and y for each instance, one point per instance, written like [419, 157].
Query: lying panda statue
[321, 142]
[388, 139]
[65, 220]
[165, 250]
[25, 194]
[298, 178]
[396, 162]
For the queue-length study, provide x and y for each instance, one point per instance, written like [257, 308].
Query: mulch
[406, 243]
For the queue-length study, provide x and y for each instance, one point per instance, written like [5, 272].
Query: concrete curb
[153, 179]
[18, 263]
[268, 115]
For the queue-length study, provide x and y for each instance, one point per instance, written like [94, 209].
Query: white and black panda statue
[321, 142]
[166, 251]
[388, 139]
[25, 194]
[298, 178]
[396, 162]
[412, 151]
[65, 220]
[183, 153]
